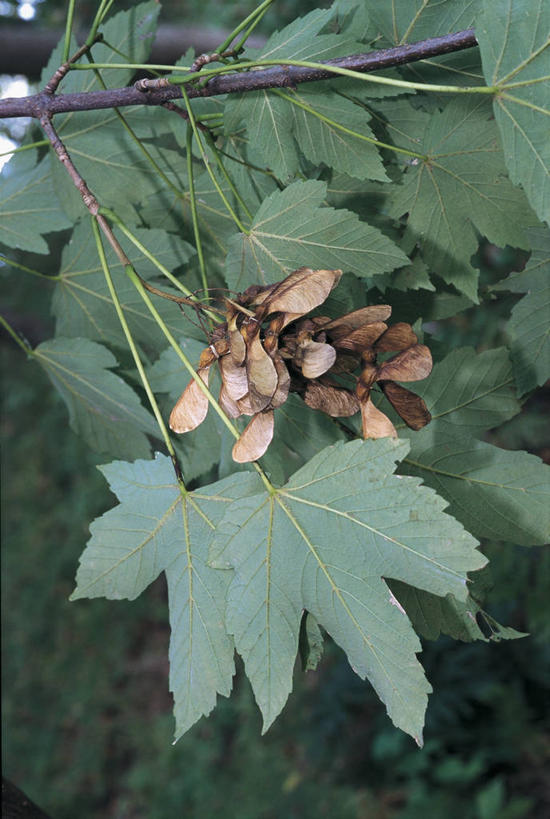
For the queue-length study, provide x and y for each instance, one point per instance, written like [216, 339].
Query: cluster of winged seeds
[268, 347]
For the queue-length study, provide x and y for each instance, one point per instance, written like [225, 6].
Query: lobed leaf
[462, 620]
[324, 543]
[458, 190]
[529, 325]
[82, 303]
[493, 492]
[103, 409]
[157, 528]
[291, 229]
[28, 209]
[514, 40]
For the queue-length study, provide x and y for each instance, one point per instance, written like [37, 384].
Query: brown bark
[43, 104]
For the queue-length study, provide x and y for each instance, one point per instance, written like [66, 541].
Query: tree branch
[43, 104]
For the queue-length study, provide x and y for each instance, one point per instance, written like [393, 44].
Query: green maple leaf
[514, 40]
[459, 189]
[324, 543]
[529, 325]
[299, 432]
[103, 409]
[322, 124]
[157, 528]
[83, 305]
[280, 125]
[291, 229]
[27, 207]
[462, 620]
[493, 492]
[301, 40]
[408, 21]
[131, 33]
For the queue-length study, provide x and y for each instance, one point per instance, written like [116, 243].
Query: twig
[93, 206]
[53, 84]
[239, 81]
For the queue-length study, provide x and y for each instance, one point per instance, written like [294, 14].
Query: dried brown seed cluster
[268, 347]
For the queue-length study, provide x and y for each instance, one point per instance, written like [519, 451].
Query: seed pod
[283, 383]
[255, 439]
[316, 359]
[364, 315]
[361, 338]
[412, 364]
[192, 406]
[399, 336]
[407, 404]
[338, 403]
[375, 423]
[300, 292]
[261, 373]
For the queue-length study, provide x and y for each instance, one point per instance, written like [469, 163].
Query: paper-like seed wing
[410, 365]
[407, 404]
[245, 406]
[237, 343]
[255, 439]
[283, 383]
[366, 380]
[192, 406]
[234, 378]
[261, 373]
[375, 423]
[228, 405]
[361, 338]
[317, 359]
[399, 336]
[302, 291]
[363, 315]
[338, 403]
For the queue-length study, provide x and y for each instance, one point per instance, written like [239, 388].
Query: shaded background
[87, 724]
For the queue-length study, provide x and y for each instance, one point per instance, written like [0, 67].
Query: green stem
[257, 13]
[129, 130]
[7, 326]
[206, 162]
[343, 128]
[147, 253]
[261, 12]
[343, 72]
[68, 31]
[102, 11]
[11, 263]
[193, 203]
[221, 166]
[134, 278]
[26, 147]
[130, 340]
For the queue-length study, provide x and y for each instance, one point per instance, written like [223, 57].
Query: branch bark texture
[42, 104]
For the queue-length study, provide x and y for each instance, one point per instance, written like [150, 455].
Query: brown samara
[269, 346]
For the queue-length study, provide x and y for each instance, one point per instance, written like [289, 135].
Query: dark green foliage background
[87, 715]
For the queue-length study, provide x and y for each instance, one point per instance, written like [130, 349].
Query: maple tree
[289, 205]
